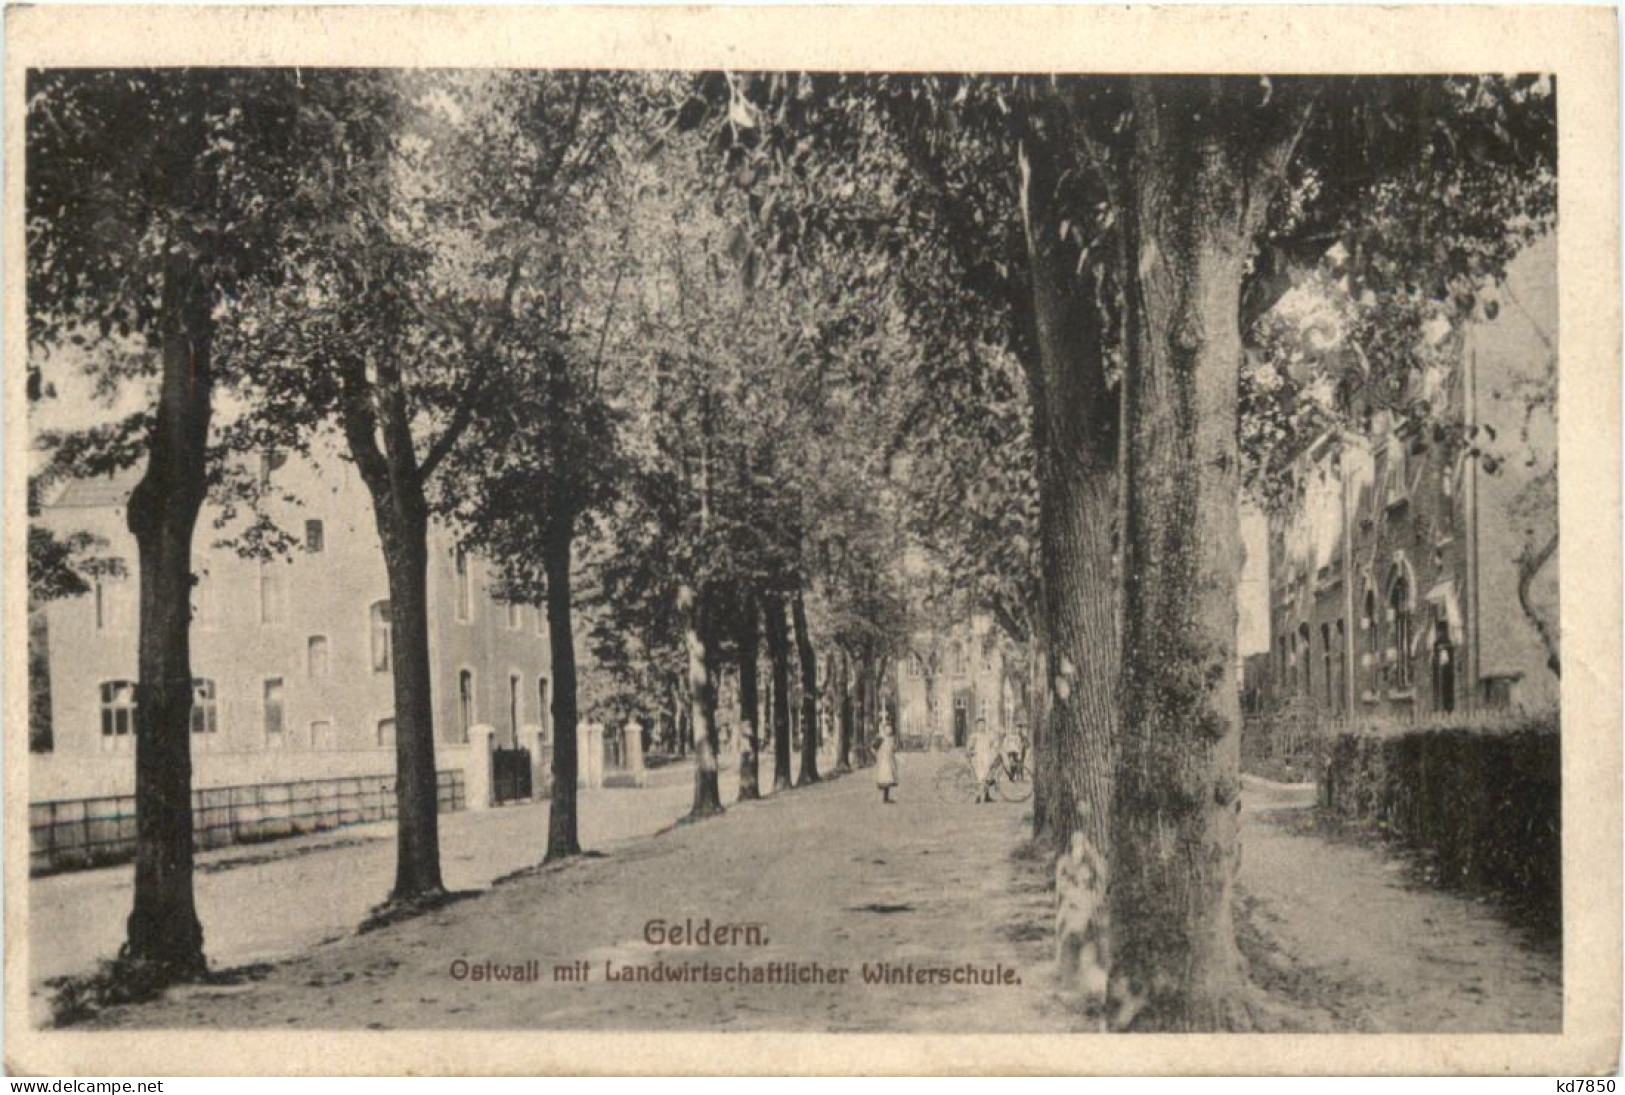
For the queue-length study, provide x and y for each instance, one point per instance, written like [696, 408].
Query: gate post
[632, 735]
[589, 755]
[481, 788]
[534, 738]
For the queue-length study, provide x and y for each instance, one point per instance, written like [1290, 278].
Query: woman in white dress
[886, 758]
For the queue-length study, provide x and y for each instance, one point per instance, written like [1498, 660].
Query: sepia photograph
[819, 550]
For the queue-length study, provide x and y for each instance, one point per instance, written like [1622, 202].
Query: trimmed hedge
[1483, 802]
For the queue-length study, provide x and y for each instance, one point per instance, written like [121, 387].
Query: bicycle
[956, 781]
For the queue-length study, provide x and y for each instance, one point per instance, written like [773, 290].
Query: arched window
[1326, 666]
[1399, 624]
[465, 585]
[379, 625]
[465, 703]
[273, 596]
[1308, 648]
[275, 713]
[1373, 645]
[118, 708]
[205, 710]
[317, 663]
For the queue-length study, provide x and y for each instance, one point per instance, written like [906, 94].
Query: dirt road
[830, 888]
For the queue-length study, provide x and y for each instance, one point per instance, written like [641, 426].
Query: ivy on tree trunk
[1203, 163]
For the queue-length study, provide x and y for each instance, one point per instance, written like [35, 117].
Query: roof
[97, 491]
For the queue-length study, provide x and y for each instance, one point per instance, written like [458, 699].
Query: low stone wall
[71, 834]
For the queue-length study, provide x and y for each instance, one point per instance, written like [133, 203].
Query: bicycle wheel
[1014, 787]
[956, 783]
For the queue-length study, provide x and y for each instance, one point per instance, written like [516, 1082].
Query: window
[321, 734]
[1399, 615]
[273, 711]
[273, 606]
[315, 537]
[205, 711]
[1308, 647]
[118, 708]
[513, 707]
[205, 613]
[465, 586]
[270, 461]
[960, 662]
[317, 662]
[465, 703]
[1342, 666]
[516, 616]
[541, 702]
[386, 731]
[1396, 482]
[111, 598]
[1444, 667]
[1326, 666]
[379, 626]
[1373, 647]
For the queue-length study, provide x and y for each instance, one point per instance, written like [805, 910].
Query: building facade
[947, 679]
[1400, 577]
[292, 655]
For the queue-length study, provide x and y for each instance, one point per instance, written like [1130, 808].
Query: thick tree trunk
[163, 926]
[778, 652]
[563, 839]
[809, 694]
[1202, 168]
[748, 641]
[403, 527]
[702, 691]
[1075, 424]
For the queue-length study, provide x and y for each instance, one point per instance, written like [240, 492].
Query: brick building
[292, 656]
[949, 678]
[1394, 574]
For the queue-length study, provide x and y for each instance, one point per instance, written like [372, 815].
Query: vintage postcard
[857, 540]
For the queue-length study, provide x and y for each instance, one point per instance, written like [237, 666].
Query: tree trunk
[866, 713]
[370, 408]
[163, 926]
[750, 704]
[563, 839]
[843, 713]
[1201, 174]
[778, 652]
[1529, 562]
[702, 691]
[809, 694]
[404, 529]
[1075, 425]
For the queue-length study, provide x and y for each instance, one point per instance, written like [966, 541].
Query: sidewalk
[267, 901]
[831, 877]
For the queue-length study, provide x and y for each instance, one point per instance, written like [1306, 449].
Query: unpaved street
[831, 879]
